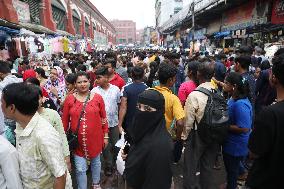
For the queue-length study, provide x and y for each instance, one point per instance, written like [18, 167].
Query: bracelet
[106, 137]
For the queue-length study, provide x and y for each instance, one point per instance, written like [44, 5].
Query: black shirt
[266, 141]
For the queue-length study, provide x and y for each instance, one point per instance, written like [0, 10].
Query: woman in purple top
[187, 87]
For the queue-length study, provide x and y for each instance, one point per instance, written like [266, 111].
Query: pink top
[185, 89]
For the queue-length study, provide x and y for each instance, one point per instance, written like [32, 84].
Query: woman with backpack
[235, 148]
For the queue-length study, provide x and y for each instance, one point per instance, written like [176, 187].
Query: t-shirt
[251, 81]
[173, 107]
[220, 71]
[240, 114]
[131, 92]
[117, 81]
[266, 141]
[185, 89]
[111, 98]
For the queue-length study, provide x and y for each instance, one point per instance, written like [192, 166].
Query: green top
[55, 120]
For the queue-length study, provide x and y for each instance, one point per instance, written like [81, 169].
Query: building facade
[125, 31]
[76, 17]
[165, 9]
[139, 36]
[226, 24]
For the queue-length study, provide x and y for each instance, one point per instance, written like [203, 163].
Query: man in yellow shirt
[173, 108]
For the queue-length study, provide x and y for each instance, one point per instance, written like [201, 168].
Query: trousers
[199, 157]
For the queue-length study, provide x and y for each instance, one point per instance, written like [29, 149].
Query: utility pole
[193, 23]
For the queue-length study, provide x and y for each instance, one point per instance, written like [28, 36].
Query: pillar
[69, 23]
[8, 12]
[46, 15]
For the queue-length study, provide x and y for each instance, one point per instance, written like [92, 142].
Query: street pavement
[116, 181]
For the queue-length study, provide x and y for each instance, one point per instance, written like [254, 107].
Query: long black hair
[241, 84]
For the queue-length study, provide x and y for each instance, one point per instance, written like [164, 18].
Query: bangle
[106, 137]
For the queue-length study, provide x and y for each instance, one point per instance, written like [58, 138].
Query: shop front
[245, 23]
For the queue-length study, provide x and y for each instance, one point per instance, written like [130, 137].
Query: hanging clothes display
[65, 45]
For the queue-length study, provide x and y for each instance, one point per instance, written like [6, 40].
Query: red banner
[278, 12]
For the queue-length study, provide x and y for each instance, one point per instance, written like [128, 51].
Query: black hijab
[148, 164]
[146, 122]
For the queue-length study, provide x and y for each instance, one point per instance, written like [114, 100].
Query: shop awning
[222, 34]
[63, 33]
[36, 28]
[33, 27]
[9, 30]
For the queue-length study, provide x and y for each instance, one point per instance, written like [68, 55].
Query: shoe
[108, 171]
[96, 186]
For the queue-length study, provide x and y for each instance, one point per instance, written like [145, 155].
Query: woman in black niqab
[149, 161]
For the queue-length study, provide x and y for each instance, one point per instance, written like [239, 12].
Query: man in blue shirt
[242, 64]
[220, 69]
[129, 101]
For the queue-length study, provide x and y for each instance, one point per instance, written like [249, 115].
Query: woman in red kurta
[93, 130]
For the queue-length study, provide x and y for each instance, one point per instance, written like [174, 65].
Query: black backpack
[214, 125]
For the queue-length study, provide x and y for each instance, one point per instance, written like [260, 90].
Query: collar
[29, 128]
[159, 88]
[207, 85]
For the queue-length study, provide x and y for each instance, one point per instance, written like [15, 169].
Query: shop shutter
[59, 17]
[87, 26]
[34, 10]
[76, 22]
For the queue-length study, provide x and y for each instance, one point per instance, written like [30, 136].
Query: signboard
[252, 13]
[277, 16]
[23, 11]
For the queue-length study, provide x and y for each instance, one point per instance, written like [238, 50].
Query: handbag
[72, 138]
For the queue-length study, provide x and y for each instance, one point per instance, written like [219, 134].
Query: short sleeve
[263, 134]
[243, 115]
[177, 109]
[118, 96]
[124, 92]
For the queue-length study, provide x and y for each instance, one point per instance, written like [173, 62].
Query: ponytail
[243, 89]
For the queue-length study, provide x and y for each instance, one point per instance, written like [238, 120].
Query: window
[34, 10]
[59, 18]
[76, 22]
[87, 28]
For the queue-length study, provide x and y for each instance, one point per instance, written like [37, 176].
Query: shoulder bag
[72, 138]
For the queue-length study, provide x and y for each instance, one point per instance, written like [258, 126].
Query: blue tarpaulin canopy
[222, 34]
[9, 30]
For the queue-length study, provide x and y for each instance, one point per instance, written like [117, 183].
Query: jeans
[81, 168]
[199, 157]
[110, 152]
[232, 164]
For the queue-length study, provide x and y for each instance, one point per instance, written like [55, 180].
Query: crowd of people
[70, 112]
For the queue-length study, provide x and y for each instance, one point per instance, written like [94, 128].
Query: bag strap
[207, 93]
[204, 91]
[81, 114]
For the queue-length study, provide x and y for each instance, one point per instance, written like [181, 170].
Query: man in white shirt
[39, 145]
[111, 96]
[9, 166]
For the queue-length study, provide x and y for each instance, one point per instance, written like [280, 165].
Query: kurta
[93, 124]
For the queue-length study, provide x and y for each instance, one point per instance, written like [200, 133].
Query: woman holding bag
[85, 113]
